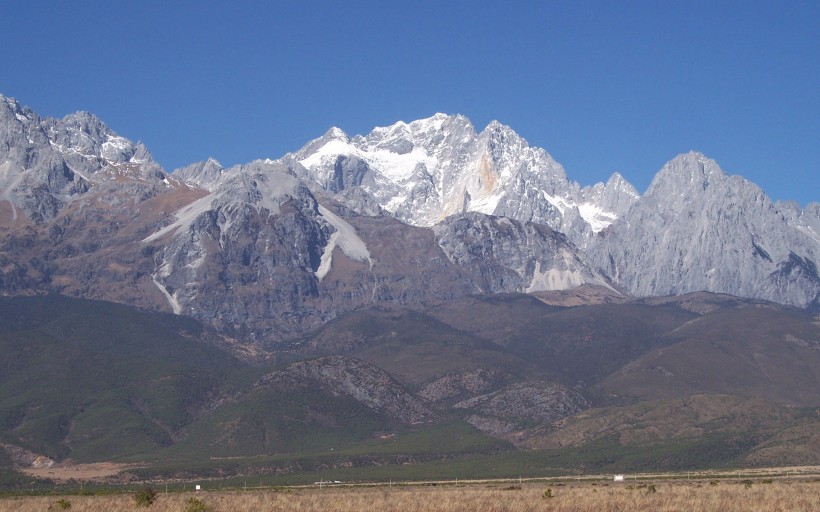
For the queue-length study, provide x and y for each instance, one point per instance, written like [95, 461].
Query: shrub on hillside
[145, 497]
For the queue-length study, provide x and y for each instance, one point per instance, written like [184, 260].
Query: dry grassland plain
[734, 496]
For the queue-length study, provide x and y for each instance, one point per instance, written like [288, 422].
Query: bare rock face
[698, 229]
[455, 386]
[511, 256]
[504, 412]
[34, 177]
[245, 251]
[260, 254]
[361, 381]
[46, 164]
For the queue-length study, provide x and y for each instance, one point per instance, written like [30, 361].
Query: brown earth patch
[65, 472]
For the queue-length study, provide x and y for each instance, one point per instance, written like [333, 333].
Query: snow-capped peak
[335, 133]
[425, 170]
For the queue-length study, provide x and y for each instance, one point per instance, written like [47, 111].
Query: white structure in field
[619, 478]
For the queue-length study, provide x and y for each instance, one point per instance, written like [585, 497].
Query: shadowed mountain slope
[766, 351]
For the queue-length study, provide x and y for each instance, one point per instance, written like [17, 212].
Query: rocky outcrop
[504, 412]
[510, 256]
[461, 385]
[243, 253]
[361, 381]
[261, 255]
[206, 175]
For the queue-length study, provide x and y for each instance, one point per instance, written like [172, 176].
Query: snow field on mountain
[346, 239]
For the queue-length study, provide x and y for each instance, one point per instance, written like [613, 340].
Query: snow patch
[346, 239]
[597, 218]
[185, 216]
[170, 298]
[117, 142]
[433, 124]
[338, 133]
[393, 166]
[396, 167]
[486, 204]
[114, 146]
[559, 202]
[394, 203]
[332, 148]
[64, 150]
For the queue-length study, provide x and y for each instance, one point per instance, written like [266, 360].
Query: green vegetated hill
[92, 380]
[699, 380]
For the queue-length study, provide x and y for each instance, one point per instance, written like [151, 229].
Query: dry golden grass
[780, 496]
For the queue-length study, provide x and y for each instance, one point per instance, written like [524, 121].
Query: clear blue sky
[602, 86]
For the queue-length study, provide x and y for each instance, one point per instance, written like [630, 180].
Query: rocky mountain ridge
[424, 171]
[48, 163]
[413, 214]
[697, 228]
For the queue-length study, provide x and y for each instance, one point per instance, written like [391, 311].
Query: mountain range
[420, 280]
[414, 213]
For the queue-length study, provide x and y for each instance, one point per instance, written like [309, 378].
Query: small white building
[618, 478]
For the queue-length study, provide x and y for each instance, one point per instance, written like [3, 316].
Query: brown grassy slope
[584, 344]
[797, 445]
[413, 347]
[91, 249]
[766, 351]
[688, 418]
[490, 317]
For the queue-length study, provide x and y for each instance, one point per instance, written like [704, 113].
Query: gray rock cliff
[698, 229]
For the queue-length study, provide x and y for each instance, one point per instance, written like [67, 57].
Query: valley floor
[795, 494]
